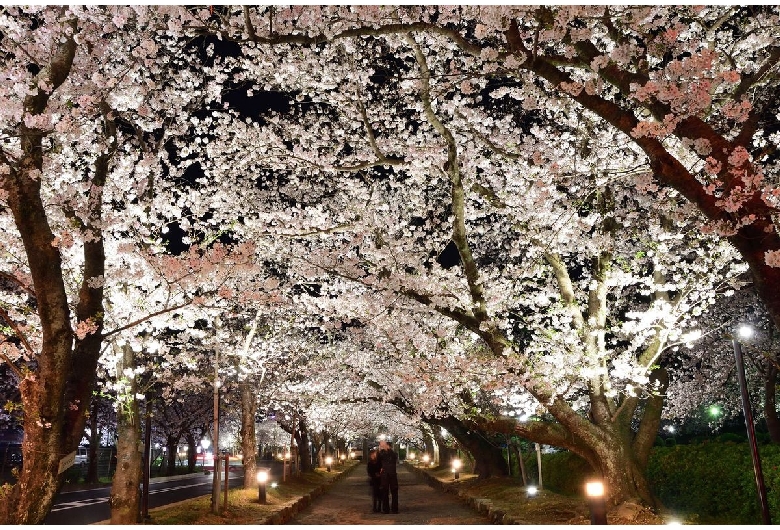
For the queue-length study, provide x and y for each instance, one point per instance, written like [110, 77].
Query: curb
[480, 505]
[288, 511]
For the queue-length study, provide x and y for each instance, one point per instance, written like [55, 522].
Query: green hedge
[715, 481]
[711, 482]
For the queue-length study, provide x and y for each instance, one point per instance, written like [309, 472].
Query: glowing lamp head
[426, 458]
[744, 331]
[594, 489]
[411, 456]
[329, 460]
[532, 490]
[262, 477]
[456, 464]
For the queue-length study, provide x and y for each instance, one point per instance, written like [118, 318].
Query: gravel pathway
[349, 502]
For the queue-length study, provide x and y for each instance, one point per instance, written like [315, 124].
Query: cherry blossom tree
[84, 111]
[602, 263]
[706, 371]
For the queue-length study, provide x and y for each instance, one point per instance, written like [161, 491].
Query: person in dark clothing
[374, 468]
[389, 477]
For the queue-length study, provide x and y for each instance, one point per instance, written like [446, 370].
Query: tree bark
[488, 458]
[172, 444]
[57, 394]
[302, 439]
[770, 403]
[192, 456]
[125, 495]
[248, 434]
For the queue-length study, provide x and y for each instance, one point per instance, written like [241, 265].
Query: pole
[147, 456]
[216, 485]
[760, 487]
[227, 467]
[539, 464]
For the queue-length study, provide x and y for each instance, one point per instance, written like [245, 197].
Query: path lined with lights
[349, 502]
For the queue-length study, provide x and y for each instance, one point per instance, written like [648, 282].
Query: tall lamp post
[746, 332]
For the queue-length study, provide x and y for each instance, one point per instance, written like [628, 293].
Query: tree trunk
[173, 454]
[624, 476]
[192, 456]
[57, 394]
[303, 446]
[521, 465]
[125, 495]
[488, 458]
[770, 404]
[248, 434]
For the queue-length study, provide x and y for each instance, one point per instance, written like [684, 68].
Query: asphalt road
[91, 506]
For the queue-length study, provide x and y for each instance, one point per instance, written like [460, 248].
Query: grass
[509, 496]
[243, 504]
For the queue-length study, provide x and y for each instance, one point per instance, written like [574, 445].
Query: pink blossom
[772, 258]
[86, 327]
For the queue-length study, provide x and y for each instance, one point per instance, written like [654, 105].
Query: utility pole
[217, 460]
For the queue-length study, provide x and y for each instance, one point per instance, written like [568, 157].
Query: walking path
[349, 502]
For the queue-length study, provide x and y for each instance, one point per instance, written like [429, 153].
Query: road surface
[91, 506]
[349, 502]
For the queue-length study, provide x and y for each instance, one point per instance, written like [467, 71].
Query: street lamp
[456, 468]
[262, 478]
[745, 332]
[598, 506]
[328, 462]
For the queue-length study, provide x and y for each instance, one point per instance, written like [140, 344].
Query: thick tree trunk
[192, 456]
[172, 445]
[770, 404]
[488, 458]
[622, 472]
[248, 434]
[125, 495]
[57, 394]
[302, 437]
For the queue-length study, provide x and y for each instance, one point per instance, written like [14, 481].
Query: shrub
[715, 481]
[711, 483]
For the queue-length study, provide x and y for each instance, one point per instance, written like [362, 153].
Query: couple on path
[383, 478]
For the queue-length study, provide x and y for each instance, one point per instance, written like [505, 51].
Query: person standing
[389, 477]
[374, 468]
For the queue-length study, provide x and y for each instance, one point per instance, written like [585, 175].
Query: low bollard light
[531, 491]
[329, 462]
[598, 505]
[426, 460]
[262, 478]
[456, 468]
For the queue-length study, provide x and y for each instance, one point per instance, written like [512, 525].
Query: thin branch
[17, 331]
[147, 317]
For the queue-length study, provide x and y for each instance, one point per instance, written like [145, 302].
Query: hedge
[709, 483]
